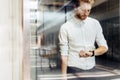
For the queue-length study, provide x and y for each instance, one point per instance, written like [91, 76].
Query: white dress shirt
[76, 35]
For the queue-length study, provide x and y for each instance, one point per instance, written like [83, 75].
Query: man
[77, 40]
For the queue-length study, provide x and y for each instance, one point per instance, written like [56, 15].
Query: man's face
[83, 10]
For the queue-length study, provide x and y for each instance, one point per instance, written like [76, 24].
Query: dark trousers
[74, 71]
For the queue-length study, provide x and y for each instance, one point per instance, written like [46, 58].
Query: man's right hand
[83, 54]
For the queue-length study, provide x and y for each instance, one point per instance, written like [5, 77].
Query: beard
[82, 17]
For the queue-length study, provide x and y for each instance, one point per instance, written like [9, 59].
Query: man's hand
[89, 53]
[64, 76]
[85, 53]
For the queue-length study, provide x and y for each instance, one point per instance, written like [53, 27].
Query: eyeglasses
[84, 10]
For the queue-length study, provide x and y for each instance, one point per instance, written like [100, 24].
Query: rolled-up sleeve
[100, 40]
[63, 41]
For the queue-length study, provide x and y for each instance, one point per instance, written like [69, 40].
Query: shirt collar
[78, 21]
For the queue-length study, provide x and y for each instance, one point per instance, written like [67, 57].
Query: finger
[88, 53]
[83, 55]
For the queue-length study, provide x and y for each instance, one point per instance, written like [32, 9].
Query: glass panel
[46, 20]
